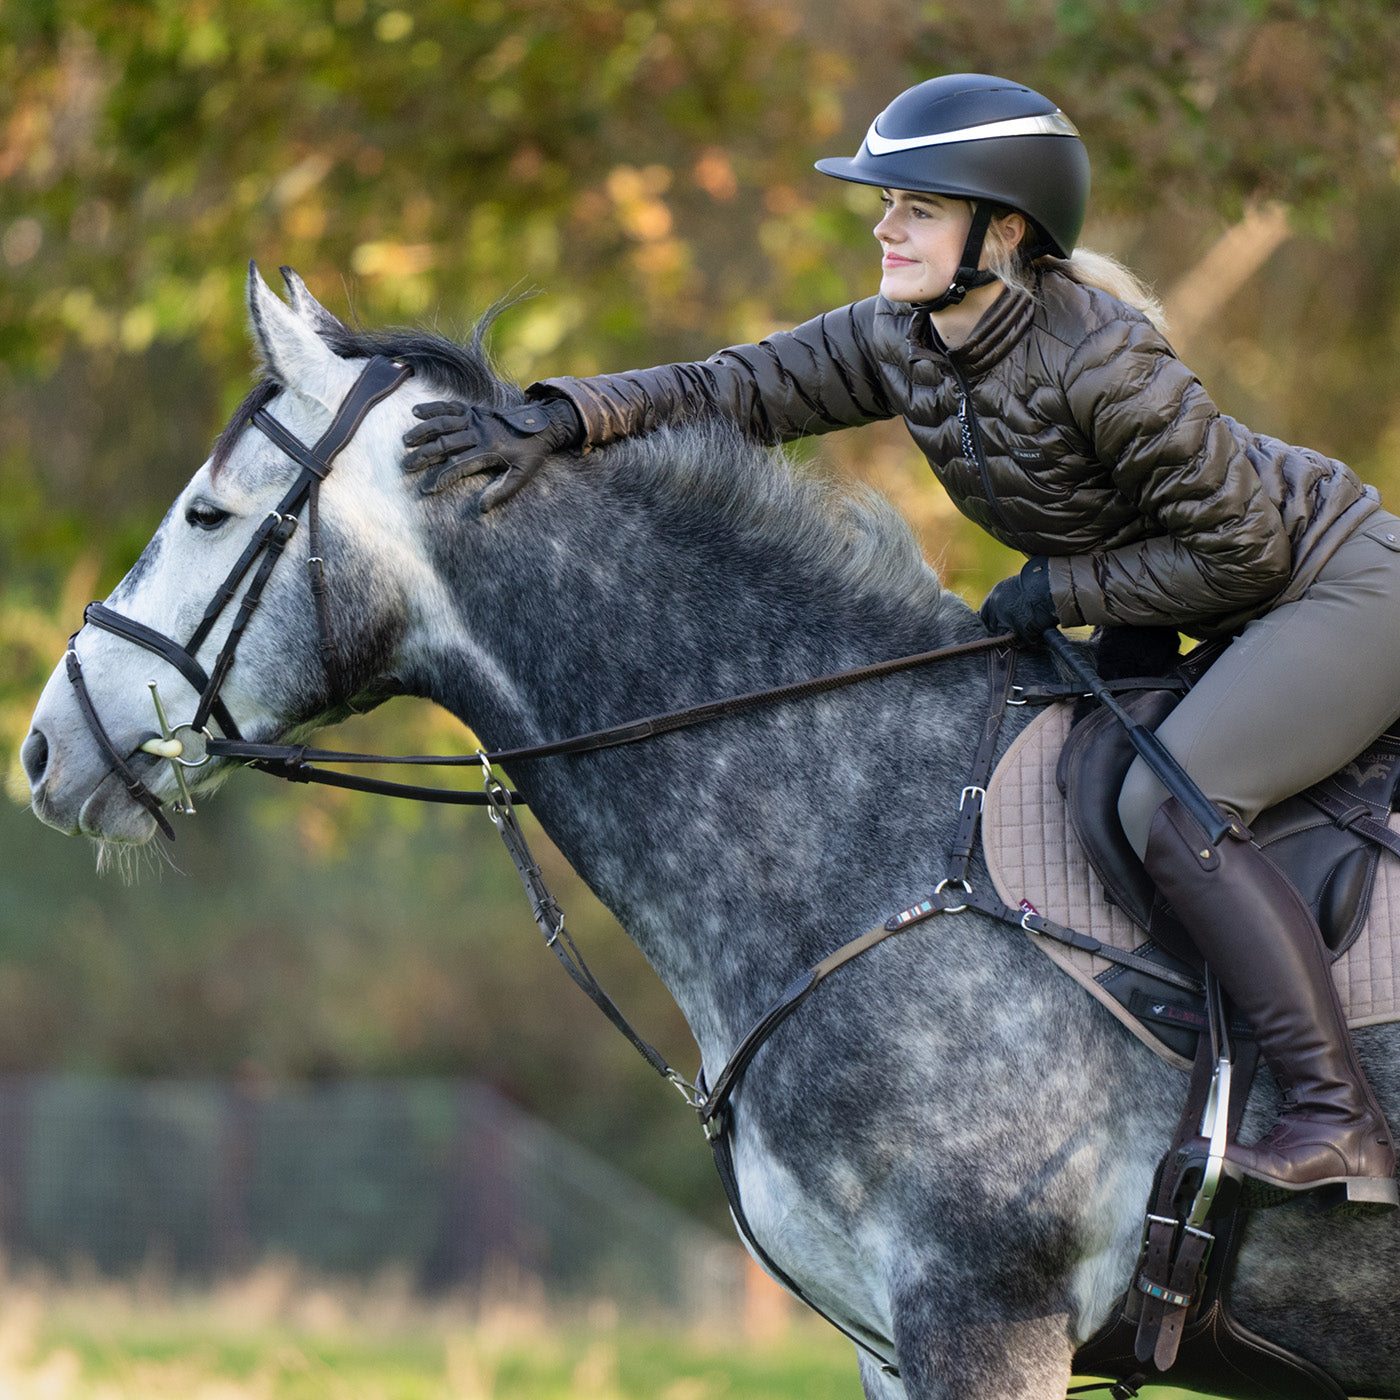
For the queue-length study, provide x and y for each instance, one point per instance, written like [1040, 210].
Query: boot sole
[1356, 1195]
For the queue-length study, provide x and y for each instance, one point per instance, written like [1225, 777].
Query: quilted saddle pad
[1034, 856]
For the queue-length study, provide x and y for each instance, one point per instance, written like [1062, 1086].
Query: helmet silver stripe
[1050, 124]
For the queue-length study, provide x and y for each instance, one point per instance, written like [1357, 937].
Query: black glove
[1022, 604]
[458, 441]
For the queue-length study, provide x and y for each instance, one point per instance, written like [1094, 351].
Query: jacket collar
[1003, 323]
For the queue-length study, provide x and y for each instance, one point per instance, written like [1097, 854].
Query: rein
[293, 761]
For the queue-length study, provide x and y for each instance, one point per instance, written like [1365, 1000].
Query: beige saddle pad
[1034, 857]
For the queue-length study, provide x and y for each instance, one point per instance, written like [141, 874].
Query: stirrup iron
[1220, 1184]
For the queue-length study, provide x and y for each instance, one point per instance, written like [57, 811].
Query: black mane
[464, 370]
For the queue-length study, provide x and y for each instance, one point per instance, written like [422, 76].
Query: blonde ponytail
[1092, 269]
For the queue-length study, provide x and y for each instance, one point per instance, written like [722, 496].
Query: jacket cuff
[1062, 592]
[568, 390]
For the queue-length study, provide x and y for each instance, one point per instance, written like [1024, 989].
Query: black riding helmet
[989, 141]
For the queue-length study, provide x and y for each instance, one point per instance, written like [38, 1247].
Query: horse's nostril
[34, 755]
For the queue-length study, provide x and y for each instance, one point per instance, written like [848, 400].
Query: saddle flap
[1093, 764]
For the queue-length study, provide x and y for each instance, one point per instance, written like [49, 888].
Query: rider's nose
[34, 755]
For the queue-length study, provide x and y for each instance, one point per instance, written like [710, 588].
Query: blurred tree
[1201, 104]
[442, 158]
[442, 155]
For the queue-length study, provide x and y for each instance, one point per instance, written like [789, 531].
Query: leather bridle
[379, 378]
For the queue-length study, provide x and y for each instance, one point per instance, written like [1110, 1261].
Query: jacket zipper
[972, 443]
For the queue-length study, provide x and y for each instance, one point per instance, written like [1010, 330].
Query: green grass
[274, 1335]
[566, 1365]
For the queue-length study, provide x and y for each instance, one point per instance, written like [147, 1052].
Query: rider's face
[921, 238]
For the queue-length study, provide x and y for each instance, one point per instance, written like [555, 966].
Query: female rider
[1058, 418]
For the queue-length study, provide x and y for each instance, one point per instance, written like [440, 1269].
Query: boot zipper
[971, 432]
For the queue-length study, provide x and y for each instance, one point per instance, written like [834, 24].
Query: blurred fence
[442, 1178]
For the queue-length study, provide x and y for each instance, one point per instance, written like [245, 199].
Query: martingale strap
[712, 1105]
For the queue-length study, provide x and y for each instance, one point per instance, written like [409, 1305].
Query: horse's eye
[204, 516]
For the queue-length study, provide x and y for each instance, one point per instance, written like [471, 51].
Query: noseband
[379, 378]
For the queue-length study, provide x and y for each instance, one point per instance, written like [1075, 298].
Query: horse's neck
[737, 852]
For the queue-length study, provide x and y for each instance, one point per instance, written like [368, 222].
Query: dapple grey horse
[949, 1146]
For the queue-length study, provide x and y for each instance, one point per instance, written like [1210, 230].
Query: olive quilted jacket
[1064, 426]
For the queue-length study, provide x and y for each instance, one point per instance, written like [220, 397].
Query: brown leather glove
[458, 440]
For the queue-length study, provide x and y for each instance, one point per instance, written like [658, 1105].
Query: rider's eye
[204, 516]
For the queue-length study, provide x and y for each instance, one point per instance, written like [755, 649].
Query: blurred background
[315, 969]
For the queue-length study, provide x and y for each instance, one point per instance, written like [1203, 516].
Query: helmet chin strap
[968, 275]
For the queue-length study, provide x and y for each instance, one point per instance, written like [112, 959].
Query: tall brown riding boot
[1260, 939]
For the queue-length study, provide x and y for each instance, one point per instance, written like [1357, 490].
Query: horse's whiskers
[127, 862]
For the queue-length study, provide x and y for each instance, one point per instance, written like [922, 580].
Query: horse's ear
[308, 308]
[292, 353]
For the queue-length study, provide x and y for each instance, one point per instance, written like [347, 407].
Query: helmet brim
[1051, 173]
[893, 175]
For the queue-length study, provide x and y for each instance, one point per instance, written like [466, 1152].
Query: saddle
[1328, 839]
[1054, 848]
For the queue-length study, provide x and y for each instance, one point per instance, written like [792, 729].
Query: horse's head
[251, 523]
[302, 573]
